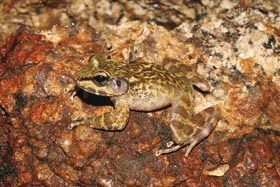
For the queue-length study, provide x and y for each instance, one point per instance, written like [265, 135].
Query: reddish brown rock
[236, 50]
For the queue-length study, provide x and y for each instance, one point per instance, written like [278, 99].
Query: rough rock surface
[233, 44]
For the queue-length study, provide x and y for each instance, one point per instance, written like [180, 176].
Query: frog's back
[152, 87]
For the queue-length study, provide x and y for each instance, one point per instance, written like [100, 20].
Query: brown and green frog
[148, 87]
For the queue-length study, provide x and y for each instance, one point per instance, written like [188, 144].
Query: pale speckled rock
[233, 44]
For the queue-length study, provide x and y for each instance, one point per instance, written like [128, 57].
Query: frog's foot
[170, 149]
[192, 142]
[75, 123]
[169, 144]
[72, 95]
[72, 92]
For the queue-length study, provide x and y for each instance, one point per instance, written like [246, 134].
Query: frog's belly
[148, 104]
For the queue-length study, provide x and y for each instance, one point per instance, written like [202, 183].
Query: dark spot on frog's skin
[187, 101]
[199, 119]
[108, 123]
[133, 85]
[209, 110]
[188, 129]
[183, 130]
[101, 93]
[184, 68]
[173, 69]
[182, 112]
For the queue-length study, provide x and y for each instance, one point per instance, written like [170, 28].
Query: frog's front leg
[189, 129]
[114, 120]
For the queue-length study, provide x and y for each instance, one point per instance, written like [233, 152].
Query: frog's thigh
[114, 120]
[180, 123]
[190, 129]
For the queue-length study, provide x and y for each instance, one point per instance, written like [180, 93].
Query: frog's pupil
[119, 83]
[100, 79]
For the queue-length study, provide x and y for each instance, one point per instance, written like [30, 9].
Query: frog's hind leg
[192, 142]
[188, 129]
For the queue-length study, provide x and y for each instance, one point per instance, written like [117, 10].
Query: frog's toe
[190, 147]
[172, 148]
[169, 144]
[74, 124]
[71, 92]
[169, 150]
[72, 96]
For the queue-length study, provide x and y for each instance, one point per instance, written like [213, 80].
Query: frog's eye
[100, 78]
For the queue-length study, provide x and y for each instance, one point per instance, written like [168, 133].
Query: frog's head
[100, 78]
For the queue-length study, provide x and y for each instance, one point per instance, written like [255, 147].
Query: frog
[143, 86]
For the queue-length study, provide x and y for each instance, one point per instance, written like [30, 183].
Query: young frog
[147, 87]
